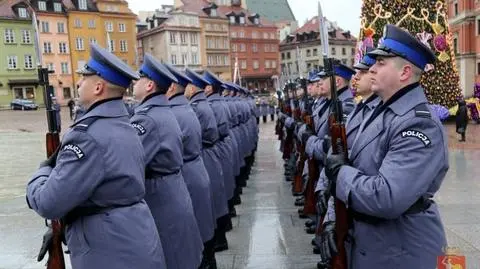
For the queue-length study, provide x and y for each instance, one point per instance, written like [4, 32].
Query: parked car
[23, 104]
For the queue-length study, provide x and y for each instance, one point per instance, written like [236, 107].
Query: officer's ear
[99, 87]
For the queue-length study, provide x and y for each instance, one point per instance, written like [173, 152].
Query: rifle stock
[56, 259]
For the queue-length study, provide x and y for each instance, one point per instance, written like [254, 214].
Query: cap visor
[380, 52]
[85, 71]
[361, 66]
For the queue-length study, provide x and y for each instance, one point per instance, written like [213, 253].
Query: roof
[6, 10]
[313, 25]
[273, 10]
[197, 7]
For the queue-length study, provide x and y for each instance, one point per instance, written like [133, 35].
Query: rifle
[52, 239]
[278, 125]
[288, 142]
[297, 187]
[339, 145]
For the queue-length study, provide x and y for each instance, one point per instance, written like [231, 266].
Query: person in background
[71, 106]
[57, 109]
[461, 119]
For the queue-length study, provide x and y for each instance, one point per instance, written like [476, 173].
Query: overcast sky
[345, 12]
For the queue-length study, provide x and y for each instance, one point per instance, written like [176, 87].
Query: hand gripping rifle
[339, 146]
[297, 187]
[52, 239]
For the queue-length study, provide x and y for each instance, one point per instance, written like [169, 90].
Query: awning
[23, 82]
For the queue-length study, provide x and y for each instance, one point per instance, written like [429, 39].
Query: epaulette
[144, 110]
[422, 111]
[84, 124]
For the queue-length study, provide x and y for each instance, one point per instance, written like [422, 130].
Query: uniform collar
[344, 93]
[214, 97]
[406, 99]
[178, 100]
[372, 101]
[155, 99]
[198, 96]
[106, 108]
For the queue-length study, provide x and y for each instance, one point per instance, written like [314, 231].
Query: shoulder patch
[419, 135]
[140, 129]
[422, 111]
[75, 149]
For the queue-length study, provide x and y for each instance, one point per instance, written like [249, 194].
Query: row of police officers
[397, 160]
[155, 189]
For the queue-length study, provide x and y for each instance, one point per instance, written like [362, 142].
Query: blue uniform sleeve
[330, 214]
[52, 193]
[415, 164]
[148, 134]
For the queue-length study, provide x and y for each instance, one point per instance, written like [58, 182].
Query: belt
[191, 159]
[85, 211]
[420, 205]
[150, 174]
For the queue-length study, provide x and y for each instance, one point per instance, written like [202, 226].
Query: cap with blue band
[197, 79]
[182, 78]
[155, 71]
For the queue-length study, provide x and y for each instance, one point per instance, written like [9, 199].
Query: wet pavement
[267, 233]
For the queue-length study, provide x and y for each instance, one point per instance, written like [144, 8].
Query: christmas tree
[427, 20]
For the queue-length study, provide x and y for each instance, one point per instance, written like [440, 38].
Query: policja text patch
[417, 134]
[140, 129]
[75, 149]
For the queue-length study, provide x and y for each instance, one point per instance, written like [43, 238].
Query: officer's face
[88, 88]
[142, 88]
[385, 75]
[208, 89]
[310, 88]
[189, 91]
[325, 87]
[363, 82]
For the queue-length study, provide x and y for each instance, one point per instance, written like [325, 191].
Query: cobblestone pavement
[267, 233]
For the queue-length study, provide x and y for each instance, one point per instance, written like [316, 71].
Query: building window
[352, 62]
[267, 64]
[60, 27]
[45, 27]
[111, 45]
[218, 59]
[225, 43]
[173, 59]
[213, 12]
[314, 53]
[26, 37]
[42, 5]
[109, 26]
[122, 28]
[184, 59]
[283, 56]
[234, 47]
[65, 68]
[24, 93]
[123, 46]
[254, 35]
[62, 47]
[210, 43]
[57, 7]
[334, 51]
[51, 67]
[28, 62]
[455, 8]
[79, 44]
[183, 38]
[243, 64]
[254, 48]
[216, 27]
[67, 93]
[272, 35]
[265, 35]
[267, 48]
[210, 60]
[243, 47]
[241, 34]
[353, 51]
[232, 19]
[308, 53]
[193, 39]
[226, 60]
[242, 20]
[91, 24]
[82, 4]
[255, 64]
[194, 58]
[274, 64]
[9, 36]
[92, 40]
[288, 55]
[225, 27]
[344, 51]
[22, 12]
[173, 38]
[47, 47]
[12, 62]
[78, 23]
[233, 34]
[478, 68]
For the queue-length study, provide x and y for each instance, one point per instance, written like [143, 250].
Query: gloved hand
[306, 135]
[333, 164]
[52, 160]
[322, 202]
[327, 143]
[328, 242]
[47, 241]
[298, 126]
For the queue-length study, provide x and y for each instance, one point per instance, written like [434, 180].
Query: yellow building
[101, 22]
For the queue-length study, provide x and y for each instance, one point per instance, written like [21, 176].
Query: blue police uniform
[397, 163]
[97, 185]
[210, 139]
[167, 194]
[193, 170]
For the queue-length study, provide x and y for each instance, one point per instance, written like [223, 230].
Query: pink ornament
[424, 37]
[440, 43]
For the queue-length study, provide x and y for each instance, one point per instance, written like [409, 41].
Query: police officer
[325, 202]
[167, 193]
[193, 169]
[210, 138]
[396, 164]
[96, 183]
[224, 151]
